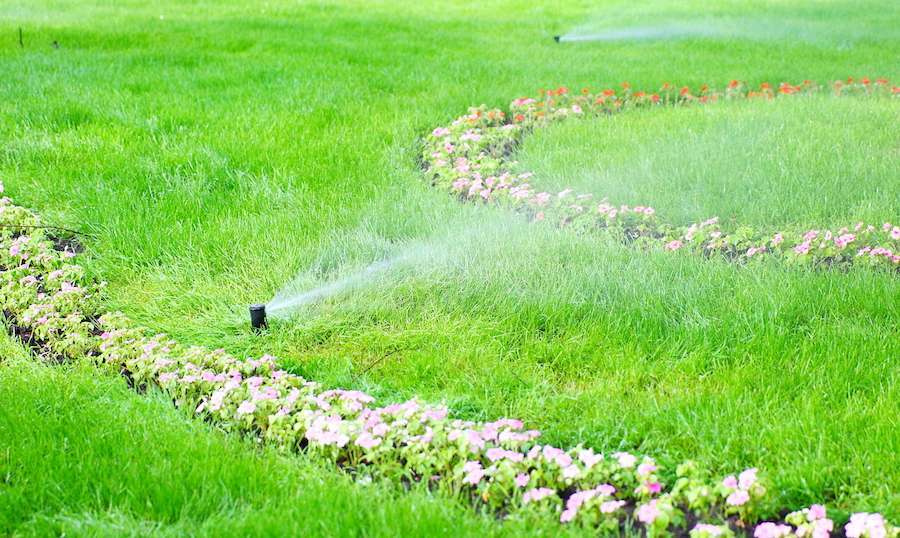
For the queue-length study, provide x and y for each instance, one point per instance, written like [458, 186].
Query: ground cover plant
[146, 128]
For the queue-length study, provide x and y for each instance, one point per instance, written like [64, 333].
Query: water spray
[258, 317]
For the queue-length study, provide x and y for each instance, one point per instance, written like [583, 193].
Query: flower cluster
[52, 305]
[470, 158]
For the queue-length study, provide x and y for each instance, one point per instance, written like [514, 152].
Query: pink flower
[605, 489]
[895, 233]
[588, 458]
[570, 471]
[771, 530]
[844, 240]
[474, 473]
[609, 507]
[647, 513]
[246, 408]
[440, 132]
[816, 511]
[802, 248]
[868, 525]
[522, 480]
[645, 469]
[568, 515]
[777, 239]
[738, 498]
[747, 478]
[625, 459]
[368, 441]
[536, 494]
[674, 245]
[576, 109]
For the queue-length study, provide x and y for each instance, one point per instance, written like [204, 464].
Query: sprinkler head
[258, 317]
[556, 38]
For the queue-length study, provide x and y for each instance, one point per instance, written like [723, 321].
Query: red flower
[654, 98]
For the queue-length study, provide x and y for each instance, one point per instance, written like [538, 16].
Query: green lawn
[218, 151]
[809, 162]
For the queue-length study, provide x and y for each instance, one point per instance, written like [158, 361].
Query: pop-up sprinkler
[258, 317]
[556, 38]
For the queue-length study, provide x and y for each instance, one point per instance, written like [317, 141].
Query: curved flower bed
[498, 466]
[470, 159]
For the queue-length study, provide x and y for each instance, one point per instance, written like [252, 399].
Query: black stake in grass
[258, 317]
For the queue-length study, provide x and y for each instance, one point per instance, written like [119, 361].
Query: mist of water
[665, 31]
[453, 244]
[758, 28]
[288, 300]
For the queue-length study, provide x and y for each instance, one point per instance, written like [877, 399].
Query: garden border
[471, 158]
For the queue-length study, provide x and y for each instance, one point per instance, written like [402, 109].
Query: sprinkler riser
[258, 317]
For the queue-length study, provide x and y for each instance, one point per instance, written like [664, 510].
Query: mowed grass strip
[218, 152]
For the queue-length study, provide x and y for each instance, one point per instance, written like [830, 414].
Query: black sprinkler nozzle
[258, 317]
[556, 38]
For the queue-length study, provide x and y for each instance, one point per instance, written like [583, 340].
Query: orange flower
[685, 91]
[881, 81]
[765, 86]
[518, 118]
[733, 84]
[609, 93]
[866, 81]
[625, 85]
[585, 91]
[654, 98]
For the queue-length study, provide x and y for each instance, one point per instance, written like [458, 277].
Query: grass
[808, 162]
[218, 151]
[85, 456]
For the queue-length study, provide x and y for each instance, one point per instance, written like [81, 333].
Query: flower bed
[497, 466]
[470, 158]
